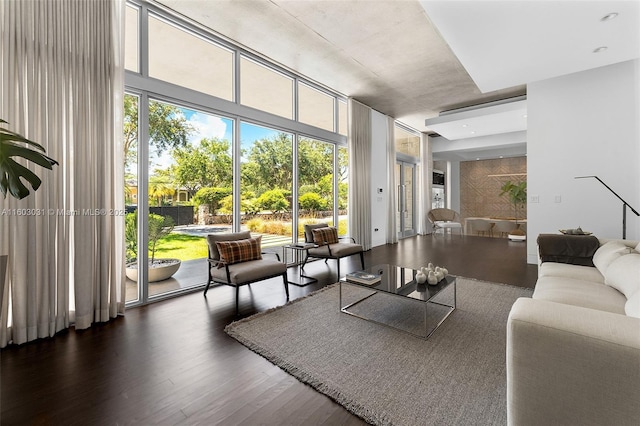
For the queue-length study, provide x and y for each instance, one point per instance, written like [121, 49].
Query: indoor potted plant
[11, 174]
[517, 193]
[159, 227]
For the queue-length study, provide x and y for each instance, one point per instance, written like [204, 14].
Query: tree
[212, 197]
[207, 164]
[273, 200]
[269, 164]
[168, 127]
[160, 187]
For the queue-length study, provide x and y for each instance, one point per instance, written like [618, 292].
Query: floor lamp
[624, 204]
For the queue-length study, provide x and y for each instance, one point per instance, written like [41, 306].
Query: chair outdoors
[445, 219]
[329, 245]
[481, 226]
[236, 260]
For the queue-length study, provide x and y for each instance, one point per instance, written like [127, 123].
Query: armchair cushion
[249, 271]
[308, 230]
[239, 251]
[326, 235]
[232, 236]
[337, 250]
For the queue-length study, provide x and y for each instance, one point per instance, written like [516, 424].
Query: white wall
[379, 201]
[452, 186]
[581, 124]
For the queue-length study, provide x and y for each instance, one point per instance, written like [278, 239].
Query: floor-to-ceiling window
[225, 141]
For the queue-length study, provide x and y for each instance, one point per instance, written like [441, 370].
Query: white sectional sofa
[573, 349]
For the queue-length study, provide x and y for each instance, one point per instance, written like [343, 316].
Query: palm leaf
[11, 172]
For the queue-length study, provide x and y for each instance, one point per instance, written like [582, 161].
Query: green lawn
[182, 246]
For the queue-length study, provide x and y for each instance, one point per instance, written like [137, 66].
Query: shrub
[312, 202]
[255, 225]
[273, 200]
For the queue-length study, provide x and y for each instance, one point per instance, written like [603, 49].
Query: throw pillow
[624, 274]
[607, 253]
[632, 307]
[239, 251]
[327, 235]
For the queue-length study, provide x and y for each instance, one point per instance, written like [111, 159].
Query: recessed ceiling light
[477, 159]
[464, 125]
[609, 16]
[473, 133]
[600, 49]
[524, 116]
[501, 156]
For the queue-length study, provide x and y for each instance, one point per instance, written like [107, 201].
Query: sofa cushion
[632, 307]
[571, 291]
[624, 274]
[607, 253]
[586, 273]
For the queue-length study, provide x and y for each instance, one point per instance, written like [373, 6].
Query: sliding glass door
[406, 193]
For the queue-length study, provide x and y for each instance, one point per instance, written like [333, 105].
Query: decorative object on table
[517, 193]
[421, 276]
[577, 231]
[363, 277]
[434, 274]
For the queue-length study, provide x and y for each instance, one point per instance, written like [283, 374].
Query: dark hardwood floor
[171, 362]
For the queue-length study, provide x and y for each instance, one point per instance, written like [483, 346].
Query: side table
[297, 252]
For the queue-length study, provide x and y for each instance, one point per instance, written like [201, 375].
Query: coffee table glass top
[399, 302]
[402, 282]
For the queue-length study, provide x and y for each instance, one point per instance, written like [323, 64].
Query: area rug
[389, 377]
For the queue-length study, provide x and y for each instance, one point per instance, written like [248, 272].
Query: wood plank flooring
[170, 363]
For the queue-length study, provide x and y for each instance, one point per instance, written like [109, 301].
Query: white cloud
[206, 126]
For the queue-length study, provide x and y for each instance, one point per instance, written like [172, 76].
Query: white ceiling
[507, 43]
[389, 55]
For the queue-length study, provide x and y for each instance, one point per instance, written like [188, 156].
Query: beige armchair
[235, 259]
[330, 248]
[445, 219]
[480, 226]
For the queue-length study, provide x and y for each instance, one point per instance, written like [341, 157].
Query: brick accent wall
[480, 193]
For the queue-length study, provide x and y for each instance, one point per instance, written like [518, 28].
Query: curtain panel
[392, 212]
[359, 140]
[63, 86]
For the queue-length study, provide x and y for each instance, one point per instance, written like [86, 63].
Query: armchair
[235, 259]
[329, 245]
[445, 219]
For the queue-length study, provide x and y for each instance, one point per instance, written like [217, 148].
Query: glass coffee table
[398, 301]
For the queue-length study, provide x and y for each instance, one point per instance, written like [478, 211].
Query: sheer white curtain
[392, 232]
[63, 86]
[425, 184]
[359, 140]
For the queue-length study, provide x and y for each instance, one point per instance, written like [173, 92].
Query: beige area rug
[386, 376]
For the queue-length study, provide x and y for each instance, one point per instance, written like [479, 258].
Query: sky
[211, 126]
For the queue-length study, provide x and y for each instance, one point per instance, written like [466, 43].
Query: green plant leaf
[11, 172]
